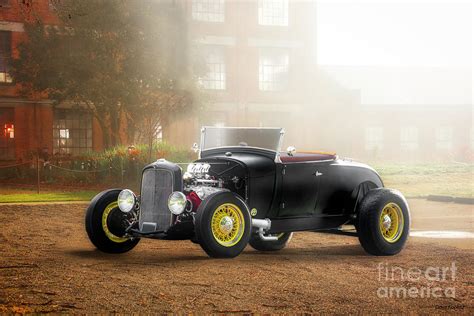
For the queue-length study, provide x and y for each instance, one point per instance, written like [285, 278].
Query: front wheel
[106, 224]
[223, 225]
[383, 222]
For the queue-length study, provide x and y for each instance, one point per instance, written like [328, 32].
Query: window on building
[215, 78]
[273, 12]
[208, 10]
[4, 3]
[374, 138]
[7, 136]
[9, 131]
[444, 137]
[72, 132]
[273, 70]
[409, 138]
[5, 56]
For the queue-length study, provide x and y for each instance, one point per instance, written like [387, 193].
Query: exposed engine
[202, 179]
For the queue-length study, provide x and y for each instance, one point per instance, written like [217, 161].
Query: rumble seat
[307, 156]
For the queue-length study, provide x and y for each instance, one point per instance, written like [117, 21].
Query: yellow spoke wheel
[383, 222]
[391, 222]
[112, 206]
[106, 224]
[227, 224]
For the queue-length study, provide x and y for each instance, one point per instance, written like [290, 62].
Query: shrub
[118, 165]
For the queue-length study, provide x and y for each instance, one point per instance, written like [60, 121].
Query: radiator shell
[159, 180]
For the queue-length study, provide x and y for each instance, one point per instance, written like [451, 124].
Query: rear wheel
[106, 224]
[223, 225]
[383, 222]
[258, 244]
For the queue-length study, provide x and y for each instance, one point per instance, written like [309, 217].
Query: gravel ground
[47, 264]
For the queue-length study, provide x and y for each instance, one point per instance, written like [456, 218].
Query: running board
[336, 231]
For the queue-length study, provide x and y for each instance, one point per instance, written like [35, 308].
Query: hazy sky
[395, 33]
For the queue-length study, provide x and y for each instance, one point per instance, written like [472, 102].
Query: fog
[395, 33]
[373, 80]
[411, 63]
[386, 80]
[377, 80]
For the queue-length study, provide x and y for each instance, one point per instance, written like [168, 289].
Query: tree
[126, 61]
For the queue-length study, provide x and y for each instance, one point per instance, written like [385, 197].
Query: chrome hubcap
[387, 222]
[226, 224]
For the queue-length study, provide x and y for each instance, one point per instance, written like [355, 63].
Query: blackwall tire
[261, 245]
[101, 215]
[223, 225]
[383, 222]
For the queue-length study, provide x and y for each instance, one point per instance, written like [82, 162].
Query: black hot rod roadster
[244, 190]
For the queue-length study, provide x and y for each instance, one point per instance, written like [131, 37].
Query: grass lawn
[423, 180]
[19, 196]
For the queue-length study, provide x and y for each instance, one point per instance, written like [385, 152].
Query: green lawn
[46, 197]
[423, 180]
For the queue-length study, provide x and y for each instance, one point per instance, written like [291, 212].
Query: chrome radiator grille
[157, 185]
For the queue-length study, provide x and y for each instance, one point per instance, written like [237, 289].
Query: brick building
[260, 59]
[261, 70]
[27, 125]
[410, 113]
[261, 62]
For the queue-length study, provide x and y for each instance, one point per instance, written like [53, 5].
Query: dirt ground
[47, 264]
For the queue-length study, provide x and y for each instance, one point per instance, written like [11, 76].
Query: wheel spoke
[391, 222]
[227, 224]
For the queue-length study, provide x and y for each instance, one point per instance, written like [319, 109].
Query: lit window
[444, 138]
[373, 138]
[215, 79]
[273, 71]
[409, 138]
[273, 12]
[7, 137]
[9, 131]
[64, 133]
[5, 56]
[208, 10]
[72, 132]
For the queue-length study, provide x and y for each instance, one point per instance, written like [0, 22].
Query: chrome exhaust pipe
[263, 225]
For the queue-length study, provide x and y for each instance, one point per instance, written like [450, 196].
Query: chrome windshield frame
[277, 150]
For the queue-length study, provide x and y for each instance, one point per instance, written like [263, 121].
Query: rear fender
[344, 183]
[358, 194]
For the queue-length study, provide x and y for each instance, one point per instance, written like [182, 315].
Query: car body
[242, 177]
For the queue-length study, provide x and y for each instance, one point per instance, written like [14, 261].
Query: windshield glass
[267, 138]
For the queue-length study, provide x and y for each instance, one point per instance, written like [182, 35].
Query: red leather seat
[307, 156]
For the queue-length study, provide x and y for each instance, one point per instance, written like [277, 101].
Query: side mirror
[195, 147]
[291, 151]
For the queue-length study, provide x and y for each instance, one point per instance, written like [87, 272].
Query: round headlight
[177, 202]
[126, 200]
